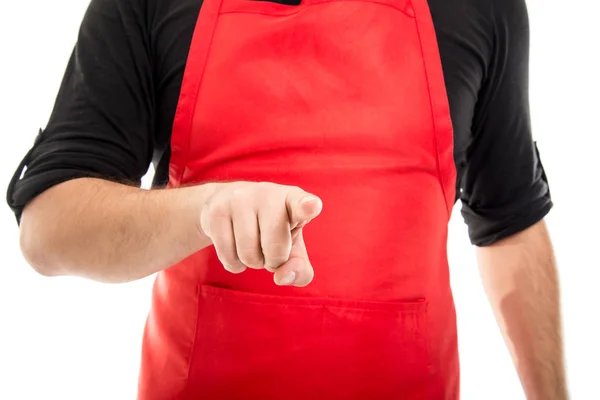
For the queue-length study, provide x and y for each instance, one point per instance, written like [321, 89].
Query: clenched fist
[259, 225]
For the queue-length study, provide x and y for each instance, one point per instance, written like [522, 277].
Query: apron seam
[301, 8]
[200, 78]
[191, 358]
[434, 121]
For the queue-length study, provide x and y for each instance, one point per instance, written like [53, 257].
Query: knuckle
[239, 193]
[241, 197]
[263, 185]
[294, 190]
[277, 254]
[228, 258]
[251, 257]
[217, 209]
[234, 267]
[267, 192]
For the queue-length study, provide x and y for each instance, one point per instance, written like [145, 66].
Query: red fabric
[346, 99]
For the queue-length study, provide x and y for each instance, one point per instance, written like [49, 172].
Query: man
[323, 143]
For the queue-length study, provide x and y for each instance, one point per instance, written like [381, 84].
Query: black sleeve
[504, 189]
[101, 125]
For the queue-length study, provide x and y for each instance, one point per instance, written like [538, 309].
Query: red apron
[345, 99]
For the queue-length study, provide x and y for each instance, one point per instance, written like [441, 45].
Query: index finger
[302, 207]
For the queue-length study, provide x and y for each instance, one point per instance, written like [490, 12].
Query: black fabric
[114, 112]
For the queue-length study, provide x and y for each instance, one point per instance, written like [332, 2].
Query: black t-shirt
[113, 115]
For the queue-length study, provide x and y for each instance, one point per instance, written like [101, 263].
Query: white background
[70, 339]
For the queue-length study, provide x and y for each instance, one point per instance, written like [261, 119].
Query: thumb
[297, 270]
[302, 207]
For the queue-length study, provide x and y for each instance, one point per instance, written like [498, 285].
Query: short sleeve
[102, 121]
[504, 188]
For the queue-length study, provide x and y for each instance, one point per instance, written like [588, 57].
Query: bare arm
[520, 278]
[111, 232]
[115, 233]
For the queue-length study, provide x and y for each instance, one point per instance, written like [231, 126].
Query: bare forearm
[111, 232]
[520, 278]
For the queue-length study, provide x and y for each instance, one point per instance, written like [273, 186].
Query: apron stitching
[433, 117]
[192, 352]
[297, 9]
[214, 21]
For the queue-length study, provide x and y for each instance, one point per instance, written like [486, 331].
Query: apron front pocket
[255, 346]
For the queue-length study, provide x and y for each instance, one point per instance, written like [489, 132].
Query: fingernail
[318, 202]
[307, 199]
[288, 279]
